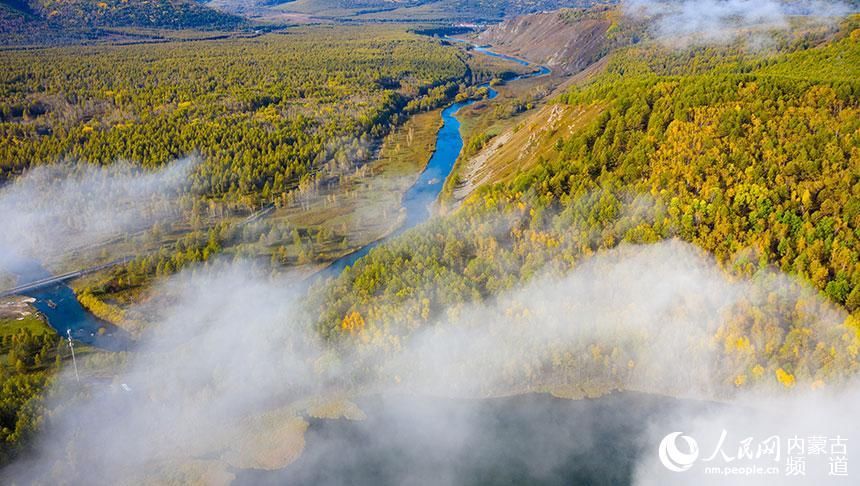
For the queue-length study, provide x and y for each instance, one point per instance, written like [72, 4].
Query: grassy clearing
[531, 139]
[484, 122]
[16, 314]
[33, 323]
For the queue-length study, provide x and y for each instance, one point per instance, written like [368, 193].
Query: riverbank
[17, 313]
[488, 125]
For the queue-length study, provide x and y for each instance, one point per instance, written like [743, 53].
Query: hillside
[173, 14]
[566, 40]
[574, 44]
[750, 156]
[20, 26]
[50, 21]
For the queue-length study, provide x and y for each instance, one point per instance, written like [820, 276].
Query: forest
[271, 118]
[263, 113]
[32, 354]
[269, 130]
[751, 156]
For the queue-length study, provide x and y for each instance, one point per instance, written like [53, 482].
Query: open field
[17, 315]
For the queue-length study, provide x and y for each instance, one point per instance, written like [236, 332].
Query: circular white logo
[674, 459]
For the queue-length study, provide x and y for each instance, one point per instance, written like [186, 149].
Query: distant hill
[19, 24]
[430, 10]
[175, 14]
[50, 21]
[567, 40]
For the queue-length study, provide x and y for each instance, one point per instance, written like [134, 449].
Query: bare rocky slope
[566, 40]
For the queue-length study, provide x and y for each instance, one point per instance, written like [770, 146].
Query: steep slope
[566, 40]
[517, 149]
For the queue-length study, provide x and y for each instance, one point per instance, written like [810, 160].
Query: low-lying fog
[230, 344]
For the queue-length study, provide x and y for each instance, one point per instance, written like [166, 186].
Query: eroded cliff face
[566, 40]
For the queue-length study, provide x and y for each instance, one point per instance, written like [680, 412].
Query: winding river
[64, 313]
[419, 199]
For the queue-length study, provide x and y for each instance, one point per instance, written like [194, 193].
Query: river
[529, 439]
[419, 199]
[64, 312]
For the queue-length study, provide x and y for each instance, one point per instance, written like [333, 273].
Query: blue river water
[419, 199]
[63, 311]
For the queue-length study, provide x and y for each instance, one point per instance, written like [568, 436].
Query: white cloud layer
[685, 22]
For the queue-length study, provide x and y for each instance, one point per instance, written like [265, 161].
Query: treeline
[753, 158]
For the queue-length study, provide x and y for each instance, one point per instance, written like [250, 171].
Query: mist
[659, 306]
[690, 22]
[223, 351]
[225, 377]
[54, 210]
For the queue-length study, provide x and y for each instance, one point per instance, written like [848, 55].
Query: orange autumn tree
[353, 323]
